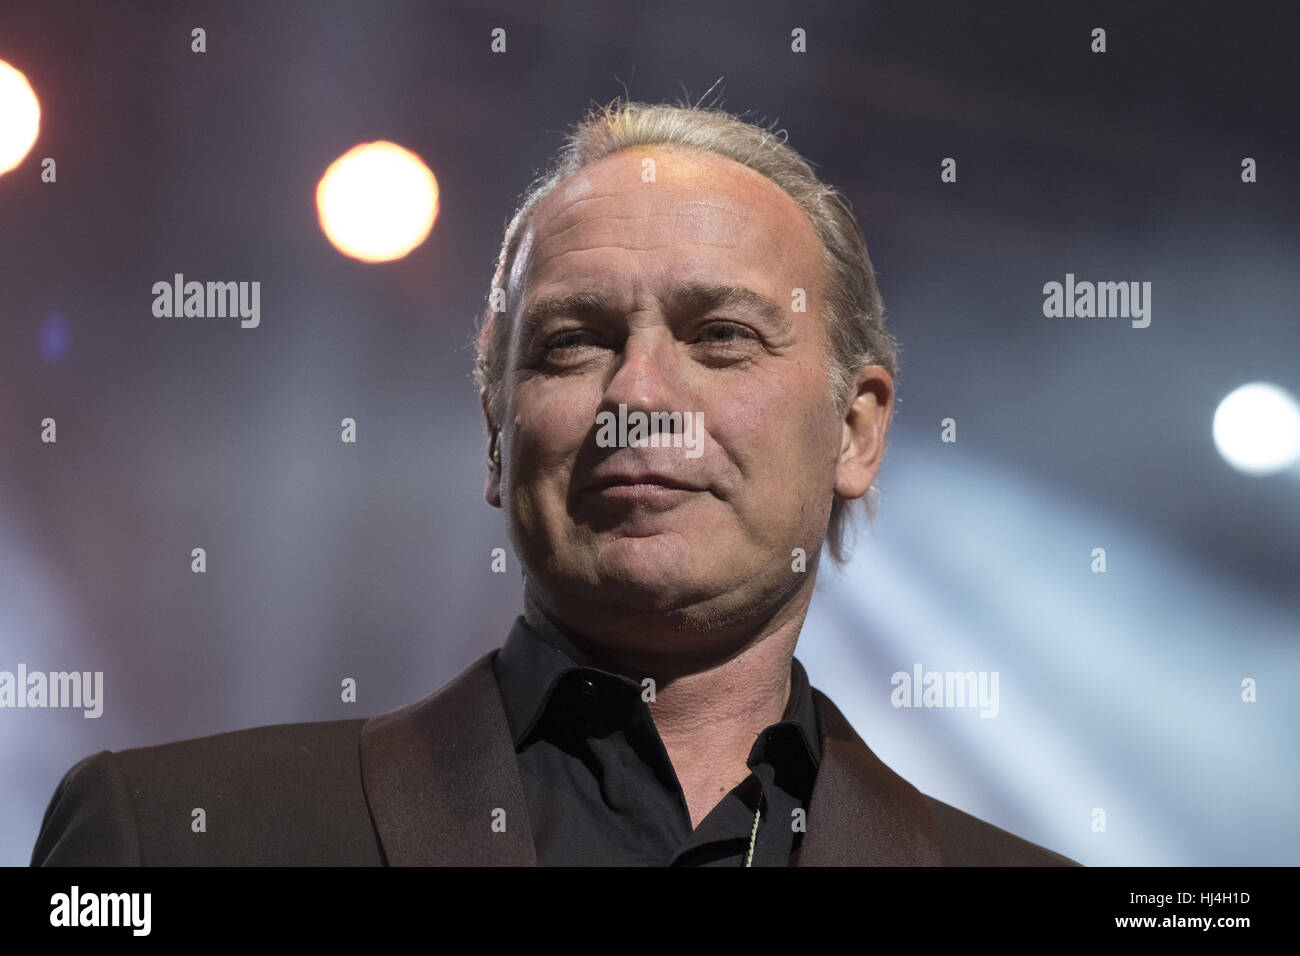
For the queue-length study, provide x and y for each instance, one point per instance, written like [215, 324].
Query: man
[686, 380]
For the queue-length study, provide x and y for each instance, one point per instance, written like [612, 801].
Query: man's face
[608, 534]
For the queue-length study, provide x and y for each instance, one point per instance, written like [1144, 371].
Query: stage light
[20, 117]
[377, 202]
[55, 336]
[1257, 429]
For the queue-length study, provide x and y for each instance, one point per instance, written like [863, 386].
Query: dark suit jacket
[419, 785]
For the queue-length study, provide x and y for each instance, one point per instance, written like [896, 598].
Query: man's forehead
[638, 181]
[707, 204]
[669, 167]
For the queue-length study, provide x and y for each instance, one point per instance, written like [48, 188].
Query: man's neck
[708, 715]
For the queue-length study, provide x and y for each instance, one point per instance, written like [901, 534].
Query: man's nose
[648, 376]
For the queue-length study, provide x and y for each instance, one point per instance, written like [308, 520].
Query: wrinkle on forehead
[722, 228]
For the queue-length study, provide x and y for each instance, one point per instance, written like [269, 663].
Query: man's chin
[653, 573]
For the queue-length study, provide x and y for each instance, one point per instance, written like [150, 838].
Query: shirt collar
[530, 666]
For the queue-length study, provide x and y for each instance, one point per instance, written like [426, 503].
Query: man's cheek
[558, 437]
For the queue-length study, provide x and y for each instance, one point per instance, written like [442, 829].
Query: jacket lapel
[437, 772]
[861, 812]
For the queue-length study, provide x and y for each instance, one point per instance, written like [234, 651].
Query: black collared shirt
[601, 789]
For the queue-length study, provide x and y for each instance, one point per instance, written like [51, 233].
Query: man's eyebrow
[700, 297]
[582, 304]
[694, 298]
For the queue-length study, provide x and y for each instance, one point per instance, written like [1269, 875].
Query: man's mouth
[642, 479]
[643, 488]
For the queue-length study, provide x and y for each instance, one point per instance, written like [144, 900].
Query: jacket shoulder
[965, 840]
[288, 794]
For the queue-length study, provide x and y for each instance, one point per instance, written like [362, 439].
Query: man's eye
[725, 332]
[575, 338]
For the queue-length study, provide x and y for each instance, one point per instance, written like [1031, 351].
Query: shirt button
[588, 688]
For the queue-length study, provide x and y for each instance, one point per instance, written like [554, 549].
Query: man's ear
[492, 487]
[866, 425]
